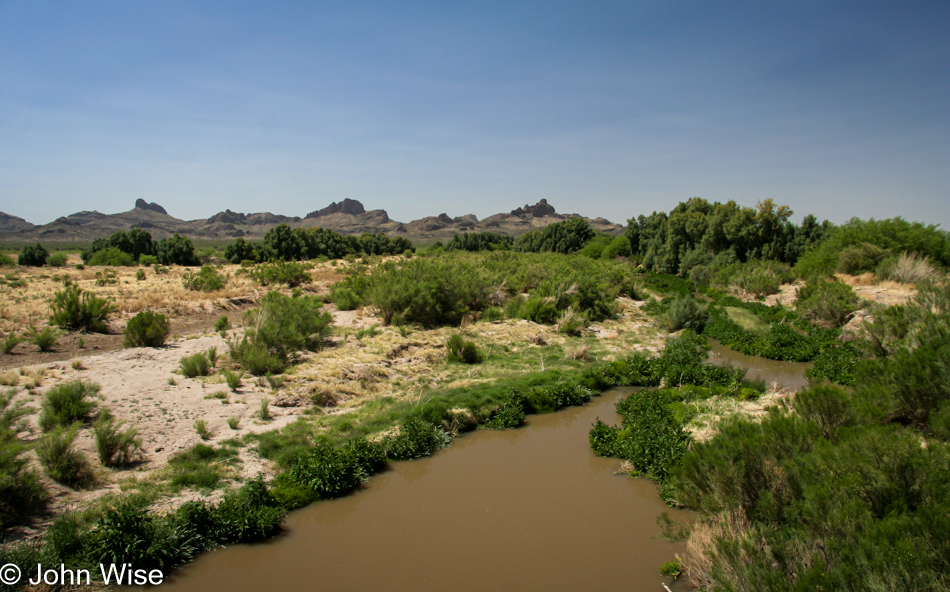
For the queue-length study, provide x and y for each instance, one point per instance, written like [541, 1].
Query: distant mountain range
[346, 217]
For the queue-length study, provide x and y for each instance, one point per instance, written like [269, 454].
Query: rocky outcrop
[10, 223]
[538, 210]
[347, 206]
[141, 204]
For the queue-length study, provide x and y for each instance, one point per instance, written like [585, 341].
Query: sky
[609, 109]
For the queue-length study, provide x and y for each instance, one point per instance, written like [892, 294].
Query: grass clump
[234, 422]
[61, 461]
[233, 379]
[222, 325]
[75, 310]
[11, 341]
[277, 330]
[46, 339]
[67, 403]
[207, 279]
[147, 329]
[201, 426]
[462, 350]
[202, 467]
[195, 365]
[116, 447]
[20, 488]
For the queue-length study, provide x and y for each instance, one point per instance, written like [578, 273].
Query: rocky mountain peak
[141, 204]
[347, 206]
[538, 210]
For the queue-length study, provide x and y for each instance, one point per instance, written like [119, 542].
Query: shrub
[344, 297]
[176, 250]
[139, 275]
[687, 313]
[11, 341]
[462, 350]
[33, 256]
[860, 259]
[66, 403]
[147, 329]
[618, 247]
[264, 412]
[233, 379]
[195, 365]
[907, 269]
[222, 324]
[6, 260]
[831, 303]
[571, 322]
[46, 339]
[20, 488]
[116, 447]
[540, 310]
[201, 426]
[331, 472]
[75, 310]
[290, 273]
[61, 462]
[147, 260]
[57, 260]
[280, 327]
[206, 280]
[111, 256]
[416, 438]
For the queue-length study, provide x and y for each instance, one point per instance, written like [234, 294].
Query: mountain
[347, 217]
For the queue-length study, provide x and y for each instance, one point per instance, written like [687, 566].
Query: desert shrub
[20, 488]
[568, 236]
[459, 349]
[828, 406]
[116, 447]
[206, 280]
[33, 256]
[289, 273]
[479, 241]
[862, 258]
[280, 327]
[6, 260]
[75, 310]
[148, 260]
[618, 247]
[139, 275]
[66, 403]
[571, 322]
[345, 297]
[11, 341]
[416, 438]
[233, 379]
[539, 310]
[907, 269]
[111, 256]
[829, 302]
[756, 278]
[57, 260]
[687, 313]
[46, 339]
[176, 250]
[62, 463]
[222, 324]
[195, 365]
[146, 329]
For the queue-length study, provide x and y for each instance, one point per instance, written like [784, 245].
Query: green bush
[147, 329]
[687, 313]
[62, 463]
[116, 447]
[176, 250]
[233, 379]
[33, 256]
[75, 310]
[344, 297]
[57, 260]
[279, 328]
[222, 324]
[618, 247]
[417, 438]
[20, 488]
[861, 258]
[11, 341]
[46, 339]
[206, 280]
[147, 260]
[828, 302]
[289, 273]
[334, 471]
[66, 403]
[111, 256]
[594, 248]
[195, 365]
[459, 349]
[6, 260]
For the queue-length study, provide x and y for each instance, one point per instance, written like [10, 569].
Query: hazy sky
[607, 109]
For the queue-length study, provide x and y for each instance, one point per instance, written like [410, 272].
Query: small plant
[74, 310]
[159, 269]
[147, 260]
[222, 325]
[233, 379]
[171, 382]
[830, 303]
[80, 266]
[77, 365]
[206, 280]
[201, 426]
[11, 341]
[147, 329]
[195, 365]
[671, 569]
[46, 339]
[67, 403]
[264, 413]
[571, 322]
[6, 260]
[61, 462]
[371, 331]
[234, 422]
[139, 275]
[404, 331]
[106, 277]
[687, 313]
[462, 350]
[213, 356]
[116, 447]
[80, 342]
[275, 381]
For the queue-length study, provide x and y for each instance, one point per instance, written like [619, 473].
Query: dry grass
[701, 553]
[913, 269]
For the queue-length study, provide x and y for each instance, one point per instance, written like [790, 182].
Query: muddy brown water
[788, 374]
[524, 509]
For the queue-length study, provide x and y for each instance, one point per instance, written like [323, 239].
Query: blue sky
[609, 109]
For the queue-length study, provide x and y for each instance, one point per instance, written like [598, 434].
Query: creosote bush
[111, 257]
[75, 310]
[147, 329]
[289, 273]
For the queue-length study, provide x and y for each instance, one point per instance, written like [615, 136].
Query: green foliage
[594, 248]
[20, 490]
[671, 569]
[831, 303]
[46, 339]
[11, 341]
[283, 243]
[176, 250]
[206, 280]
[479, 241]
[6, 260]
[568, 236]
[57, 260]
[510, 413]
[862, 258]
[148, 260]
[139, 275]
[111, 256]
[75, 310]
[146, 329]
[459, 349]
[687, 313]
[279, 328]
[195, 365]
[66, 403]
[33, 256]
[618, 247]
[116, 447]
[756, 278]
[199, 467]
[222, 324]
[330, 471]
[136, 243]
[289, 273]
[233, 379]
[539, 310]
[417, 438]
[61, 461]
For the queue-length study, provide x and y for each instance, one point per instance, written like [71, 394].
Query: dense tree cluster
[568, 236]
[175, 250]
[479, 241]
[283, 243]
